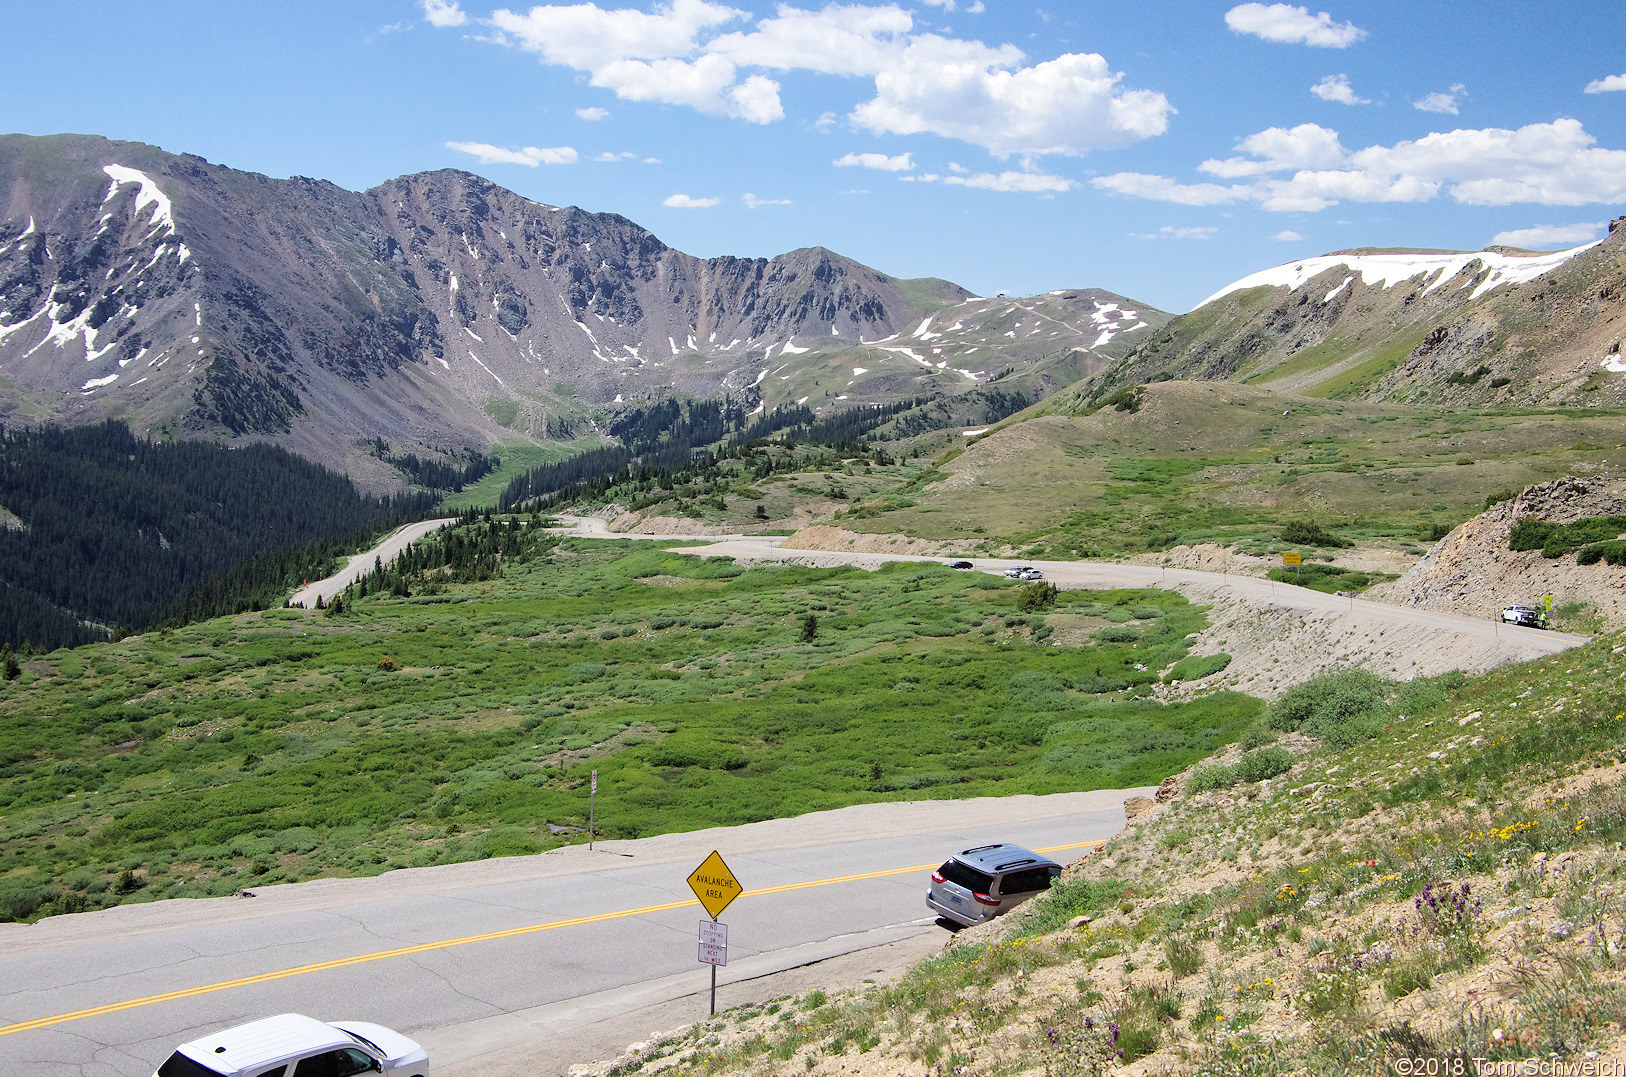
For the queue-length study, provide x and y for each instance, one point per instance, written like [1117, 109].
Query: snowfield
[1392, 269]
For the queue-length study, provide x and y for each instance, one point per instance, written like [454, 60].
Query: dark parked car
[961, 564]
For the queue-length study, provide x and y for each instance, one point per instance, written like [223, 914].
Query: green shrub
[1262, 763]
[511, 841]
[1125, 399]
[1183, 956]
[1613, 553]
[1257, 737]
[1210, 776]
[1341, 708]
[1254, 766]
[1036, 595]
[1196, 667]
[22, 898]
[1069, 898]
[1310, 533]
[1555, 540]
[1118, 634]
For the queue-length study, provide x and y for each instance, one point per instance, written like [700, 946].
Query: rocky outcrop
[1473, 571]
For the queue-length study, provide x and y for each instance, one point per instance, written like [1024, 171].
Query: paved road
[362, 563]
[570, 938]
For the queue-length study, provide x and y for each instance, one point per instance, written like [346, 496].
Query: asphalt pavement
[486, 963]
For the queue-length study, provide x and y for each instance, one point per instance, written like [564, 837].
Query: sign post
[592, 795]
[1294, 558]
[714, 884]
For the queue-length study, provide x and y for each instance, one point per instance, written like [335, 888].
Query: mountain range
[439, 312]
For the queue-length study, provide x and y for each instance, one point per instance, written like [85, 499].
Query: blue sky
[1160, 148]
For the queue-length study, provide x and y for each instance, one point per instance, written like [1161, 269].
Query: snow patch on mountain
[149, 192]
[1391, 269]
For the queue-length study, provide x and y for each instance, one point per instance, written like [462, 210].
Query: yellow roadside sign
[1292, 557]
[715, 885]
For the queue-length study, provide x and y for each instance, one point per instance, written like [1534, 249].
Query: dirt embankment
[1218, 557]
[839, 540]
[1472, 570]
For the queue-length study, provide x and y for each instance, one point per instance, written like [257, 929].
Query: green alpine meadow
[451, 706]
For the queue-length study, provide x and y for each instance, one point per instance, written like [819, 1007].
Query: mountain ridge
[440, 310]
[1491, 327]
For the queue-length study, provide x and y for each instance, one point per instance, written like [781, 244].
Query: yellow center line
[443, 944]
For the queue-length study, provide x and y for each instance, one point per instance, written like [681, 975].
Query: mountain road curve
[1466, 642]
[519, 965]
[362, 563]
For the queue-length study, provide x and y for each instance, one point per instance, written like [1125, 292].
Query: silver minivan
[974, 886]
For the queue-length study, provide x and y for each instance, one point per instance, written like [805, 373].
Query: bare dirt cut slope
[1473, 570]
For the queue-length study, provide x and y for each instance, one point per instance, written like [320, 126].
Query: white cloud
[641, 56]
[1163, 189]
[530, 156]
[1337, 88]
[1024, 182]
[1291, 25]
[903, 162]
[968, 91]
[592, 114]
[1287, 236]
[1027, 182]
[614, 158]
[678, 54]
[1607, 85]
[1169, 231]
[753, 202]
[841, 39]
[1549, 235]
[683, 201]
[756, 99]
[1555, 164]
[444, 13]
[1445, 102]
[706, 85]
[587, 37]
[1308, 145]
[825, 122]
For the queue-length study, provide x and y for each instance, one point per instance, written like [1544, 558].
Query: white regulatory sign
[713, 943]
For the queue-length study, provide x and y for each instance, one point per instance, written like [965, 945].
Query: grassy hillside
[435, 721]
[1445, 888]
[1222, 462]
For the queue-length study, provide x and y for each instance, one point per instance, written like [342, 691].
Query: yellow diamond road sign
[715, 885]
